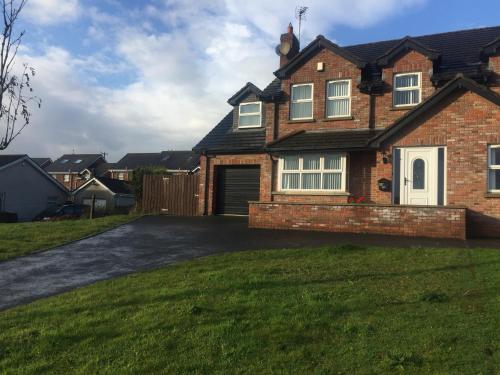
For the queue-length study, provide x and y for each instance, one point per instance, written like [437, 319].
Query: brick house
[395, 137]
[172, 161]
[73, 170]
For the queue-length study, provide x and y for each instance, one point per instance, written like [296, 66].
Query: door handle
[406, 181]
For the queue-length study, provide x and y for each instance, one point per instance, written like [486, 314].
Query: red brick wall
[336, 67]
[410, 62]
[418, 221]
[466, 123]
[208, 167]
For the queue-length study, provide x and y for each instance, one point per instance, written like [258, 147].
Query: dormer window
[407, 89]
[301, 105]
[250, 115]
[338, 98]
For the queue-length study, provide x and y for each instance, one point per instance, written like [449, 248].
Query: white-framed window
[312, 172]
[250, 115]
[301, 103]
[338, 98]
[494, 168]
[121, 176]
[66, 178]
[407, 89]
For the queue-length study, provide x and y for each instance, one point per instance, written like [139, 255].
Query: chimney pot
[290, 28]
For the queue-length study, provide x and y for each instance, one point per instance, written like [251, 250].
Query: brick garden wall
[438, 222]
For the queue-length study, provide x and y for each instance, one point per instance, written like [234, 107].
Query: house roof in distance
[74, 163]
[42, 162]
[113, 185]
[7, 159]
[172, 160]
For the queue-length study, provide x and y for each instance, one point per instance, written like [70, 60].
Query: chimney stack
[288, 47]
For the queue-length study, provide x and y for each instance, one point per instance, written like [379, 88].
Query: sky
[121, 76]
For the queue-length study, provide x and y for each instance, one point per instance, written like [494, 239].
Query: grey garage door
[236, 185]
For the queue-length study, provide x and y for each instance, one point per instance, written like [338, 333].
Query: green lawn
[25, 238]
[346, 310]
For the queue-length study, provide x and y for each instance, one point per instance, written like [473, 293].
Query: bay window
[407, 89]
[301, 104]
[338, 98]
[250, 115]
[312, 172]
[494, 169]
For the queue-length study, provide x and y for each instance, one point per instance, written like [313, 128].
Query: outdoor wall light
[386, 158]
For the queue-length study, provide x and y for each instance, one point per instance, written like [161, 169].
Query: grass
[24, 238]
[340, 310]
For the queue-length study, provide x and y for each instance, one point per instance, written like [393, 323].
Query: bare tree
[14, 111]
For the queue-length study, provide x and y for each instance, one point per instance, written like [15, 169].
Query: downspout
[207, 179]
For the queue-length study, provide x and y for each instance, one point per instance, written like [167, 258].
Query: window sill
[300, 121]
[250, 128]
[305, 192]
[328, 119]
[492, 195]
[403, 107]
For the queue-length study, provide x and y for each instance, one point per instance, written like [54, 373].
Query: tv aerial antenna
[300, 14]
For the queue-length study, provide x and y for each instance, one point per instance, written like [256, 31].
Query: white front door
[419, 176]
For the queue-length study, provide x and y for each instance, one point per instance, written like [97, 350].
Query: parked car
[64, 212]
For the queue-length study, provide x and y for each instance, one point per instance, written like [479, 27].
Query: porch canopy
[316, 140]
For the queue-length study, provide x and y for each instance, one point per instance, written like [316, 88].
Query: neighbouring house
[395, 137]
[111, 196]
[26, 189]
[73, 170]
[172, 161]
[42, 162]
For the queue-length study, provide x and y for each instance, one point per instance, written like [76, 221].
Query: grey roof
[460, 51]
[103, 168]
[116, 186]
[224, 139]
[74, 163]
[42, 162]
[7, 159]
[325, 140]
[173, 160]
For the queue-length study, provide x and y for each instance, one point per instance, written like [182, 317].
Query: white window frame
[332, 98]
[66, 178]
[302, 101]
[321, 170]
[491, 167]
[419, 87]
[250, 114]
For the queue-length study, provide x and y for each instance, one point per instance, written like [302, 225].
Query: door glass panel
[418, 174]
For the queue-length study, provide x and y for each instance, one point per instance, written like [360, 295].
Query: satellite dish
[285, 47]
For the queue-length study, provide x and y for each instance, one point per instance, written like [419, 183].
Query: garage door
[236, 185]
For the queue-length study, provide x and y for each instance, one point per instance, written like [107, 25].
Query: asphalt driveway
[151, 242]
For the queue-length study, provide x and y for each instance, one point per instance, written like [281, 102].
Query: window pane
[249, 108]
[301, 110]
[290, 181]
[406, 97]
[337, 107]
[291, 163]
[311, 162]
[251, 120]
[338, 88]
[332, 181]
[495, 156]
[418, 174]
[494, 179]
[301, 92]
[333, 162]
[406, 81]
[311, 181]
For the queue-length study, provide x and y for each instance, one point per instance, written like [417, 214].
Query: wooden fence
[170, 195]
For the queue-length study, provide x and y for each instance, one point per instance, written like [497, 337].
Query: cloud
[50, 12]
[176, 66]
